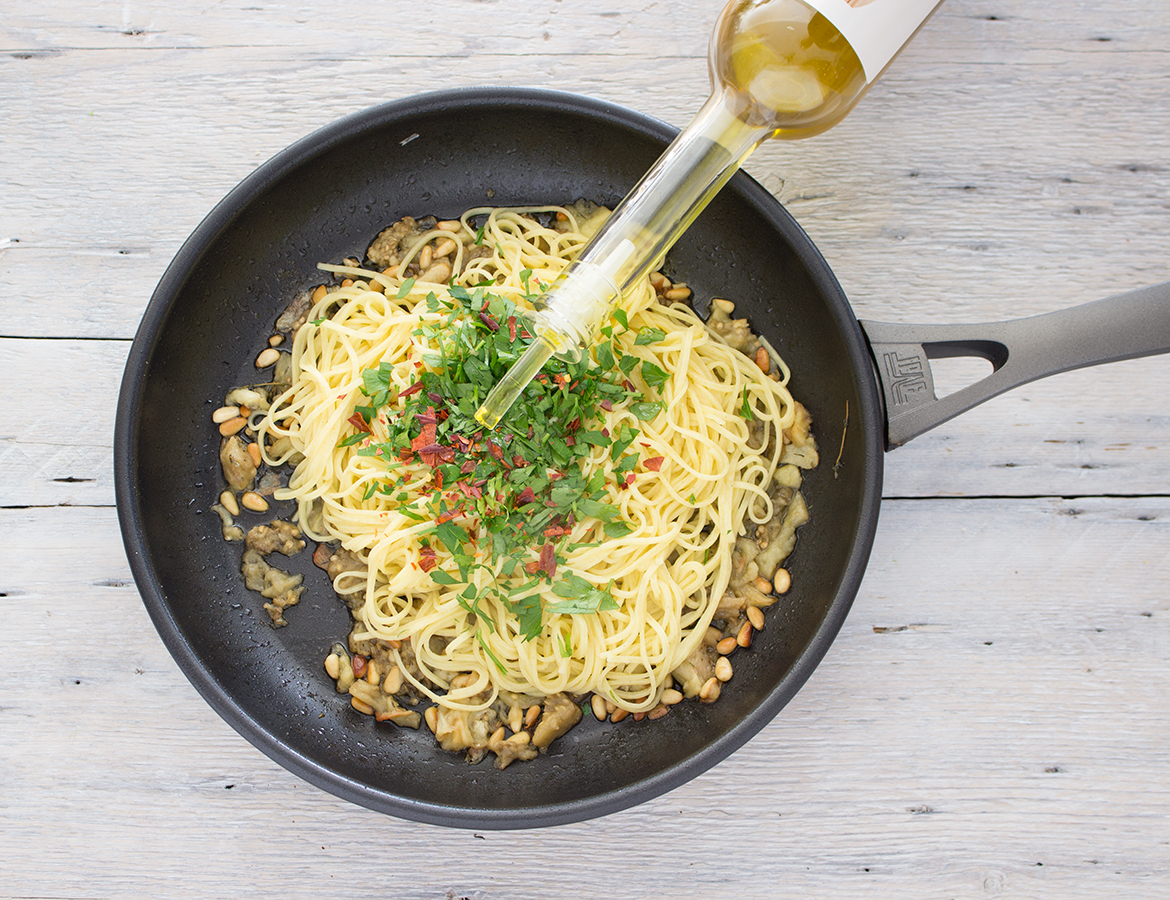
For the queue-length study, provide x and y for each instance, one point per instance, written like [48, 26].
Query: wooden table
[994, 719]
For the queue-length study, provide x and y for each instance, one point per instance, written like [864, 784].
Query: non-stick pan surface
[322, 200]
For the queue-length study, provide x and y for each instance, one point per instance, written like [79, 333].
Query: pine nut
[431, 716]
[670, 697]
[781, 581]
[658, 712]
[254, 452]
[619, 714]
[449, 225]
[358, 664]
[361, 706]
[727, 645]
[710, 690]
[744, 638]
[678, 292]
[228, 501]
[393, 683]
[659, 282]
[762, 361]
[377, 287]
[756, 617]
[639, 716]
[763, 585]
[531, 716]
[598, 704]
[225, 414]
[444, 248]
[253, 501]
[372, 672]
[319, 293]
[497, 736]
[437, 274]
[425, 256]
[724, 305]
[610, 707]
[347, 282]
[723, 668]
[233, 426]
[267, 357]
[276, 340]
[332, 666]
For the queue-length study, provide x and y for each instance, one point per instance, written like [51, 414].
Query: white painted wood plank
[915, 763]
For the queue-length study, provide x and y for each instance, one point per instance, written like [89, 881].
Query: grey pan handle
[1020, 350]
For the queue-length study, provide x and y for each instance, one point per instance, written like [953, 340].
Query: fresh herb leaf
[404, 289]
[649, 336]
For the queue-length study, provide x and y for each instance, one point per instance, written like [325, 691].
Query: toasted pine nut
[639, 716]
[520, 738]
[276, 340]
[709, 693]
[781, 581]
[670, 696]
[253, 501]
[619, 714]
[228, 501]
[723, 668]
[756, 617]
[727, 645]
[658, 281]
[444, 247]
[267, 358]
[425, 256]
[332, 666]
[376, 286]
[531, 716]
[725, 305]
[225, 414]
[744, 638]
[610, 707]
[678, 292]
[598, 704]
[393, 682]
[763, 585]
[658, 712]
[372, 672]
[361, 706]
[762, 361]
[254, 452]
[497, 736]
[319, 292]
[358, 663]
[437, 274]
[449, 225]
[233, 426]
[431, 717]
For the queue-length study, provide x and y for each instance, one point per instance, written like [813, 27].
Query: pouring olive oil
[786, 69]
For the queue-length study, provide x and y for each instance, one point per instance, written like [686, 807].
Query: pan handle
[1126, 326]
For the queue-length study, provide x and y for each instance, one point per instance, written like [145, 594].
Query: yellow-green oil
[778, 69]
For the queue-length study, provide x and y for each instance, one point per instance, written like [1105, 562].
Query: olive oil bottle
[785, 69]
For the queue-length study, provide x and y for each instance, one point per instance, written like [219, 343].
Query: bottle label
[875, 29]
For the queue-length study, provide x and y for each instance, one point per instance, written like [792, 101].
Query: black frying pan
[322, 200]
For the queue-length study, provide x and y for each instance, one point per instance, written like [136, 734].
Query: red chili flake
[449, 515]
[468, 466]
[406, 454]
[525, 497]
[547, 562]
[413, 389]
[605, 431]
[556, 531]
[495, 450]
[524, 334]
[468, 490]
[629, 385]
[606, 405]
[630, 478]
[435, 398]
[359, 423]
[512, 328]
[654, 463]
[570, 441]
[427, 560]
[438, 478]
[519, 461]
[490, 322]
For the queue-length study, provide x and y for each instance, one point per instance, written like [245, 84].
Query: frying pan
[322, 199]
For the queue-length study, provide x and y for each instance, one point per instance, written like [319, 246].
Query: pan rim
[129, 501]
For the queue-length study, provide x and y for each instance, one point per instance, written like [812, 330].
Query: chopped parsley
[503, 503]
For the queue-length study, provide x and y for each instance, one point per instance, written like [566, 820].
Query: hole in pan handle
[1125, 326]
